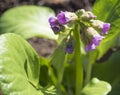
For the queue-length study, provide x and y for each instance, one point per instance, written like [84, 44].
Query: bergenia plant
[86, 60]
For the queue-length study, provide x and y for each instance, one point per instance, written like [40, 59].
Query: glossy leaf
[108, 11]
[109, 71]
[96, 87]
[19, 67]
[27, 21]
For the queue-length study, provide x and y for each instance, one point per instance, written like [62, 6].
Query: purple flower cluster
[94, 33]
[96, 39]
[56, 22]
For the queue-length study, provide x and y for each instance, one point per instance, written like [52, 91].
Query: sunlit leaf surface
[96, 87]
[27, 21]
[19, 67]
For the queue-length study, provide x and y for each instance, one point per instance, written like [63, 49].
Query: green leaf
[27, 21]
[96, 87]
[69, 78]
[50, 90]
[57, 60]
[19, 67]
[109, 71]
[108, 11]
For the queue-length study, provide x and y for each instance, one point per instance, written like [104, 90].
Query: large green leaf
[108, 11]
[27, 21]
[19, 67]
[109, 71]
[96, 87]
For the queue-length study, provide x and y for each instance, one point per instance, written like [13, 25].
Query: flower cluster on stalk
[58, 23]
[93, 30]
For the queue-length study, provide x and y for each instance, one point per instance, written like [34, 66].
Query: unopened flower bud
[56, 29]
[69, 45]
[97, 24]
[72, 15]
[91, 31]
[80, 12]
[69, 48]
[91, 15]
[85, 15]
[103, 27]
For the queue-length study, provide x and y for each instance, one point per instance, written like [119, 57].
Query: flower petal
[97, 39]
[90, 46]
[63, 18]
[53, 21]
[106, 27]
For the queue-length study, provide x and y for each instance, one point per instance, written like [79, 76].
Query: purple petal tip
[106, 27]
[97, 39]
[90, 47]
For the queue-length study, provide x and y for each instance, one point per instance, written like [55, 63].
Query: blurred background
[70, 5]
[45, 47]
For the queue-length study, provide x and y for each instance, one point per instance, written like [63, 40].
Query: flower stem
[88, 73]
[78, 60]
